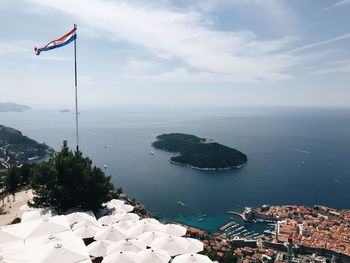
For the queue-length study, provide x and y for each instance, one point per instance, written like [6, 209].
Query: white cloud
[342, 66]
[275, 14]
[140, 66]
[342, 3]
[183, 75]
[184, 37]
[15, 47]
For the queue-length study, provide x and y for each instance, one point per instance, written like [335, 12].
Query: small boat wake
[300, 151]
[182, 204]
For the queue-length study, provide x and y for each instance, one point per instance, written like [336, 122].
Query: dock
[241, 215]
[224, 227]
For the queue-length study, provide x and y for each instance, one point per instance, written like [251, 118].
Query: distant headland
[200, 153]
[15, 148]
[10, 106]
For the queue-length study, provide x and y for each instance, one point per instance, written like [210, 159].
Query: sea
[296, 156]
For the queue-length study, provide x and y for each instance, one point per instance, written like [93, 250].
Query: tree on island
[69, 180]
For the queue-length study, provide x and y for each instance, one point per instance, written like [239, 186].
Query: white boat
[33, 158]
[151, 153]
[180, 203]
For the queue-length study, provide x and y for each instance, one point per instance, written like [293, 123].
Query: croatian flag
[62, 41]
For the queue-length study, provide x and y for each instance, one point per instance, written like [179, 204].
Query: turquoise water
[295, 156]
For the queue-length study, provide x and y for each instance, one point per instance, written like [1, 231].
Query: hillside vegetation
[198, 153]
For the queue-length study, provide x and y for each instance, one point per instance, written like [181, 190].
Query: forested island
[17, 148]
[200, 153]
[10, 106]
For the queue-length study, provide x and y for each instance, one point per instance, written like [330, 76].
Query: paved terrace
[11, 206]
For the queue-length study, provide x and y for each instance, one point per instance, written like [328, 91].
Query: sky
[178, 52]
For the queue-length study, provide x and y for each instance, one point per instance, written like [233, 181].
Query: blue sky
[186, 52]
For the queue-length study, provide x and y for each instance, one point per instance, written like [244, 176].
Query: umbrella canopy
[121, 257]
[98, 248]
[86, 231]
[153, 255]
[148, 237]
[37, 214]
[123, 216]
[150, 220]
[11, 246]
[192, 258]
[126, 225]
[133, 245]
[72, 250]
[195, 245]
[8, 235]
[115, 202]
[174, 230]
[142, 227]
[86, 222]
[85, 261]
[68, 251]
[25, 208]
[172, 244]
[46, 226]
[76, 217]
[112, 233]
[107, 220]
[122, 208]
[36, 228]
[46, 239]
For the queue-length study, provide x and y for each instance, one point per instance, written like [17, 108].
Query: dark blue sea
[295, 155]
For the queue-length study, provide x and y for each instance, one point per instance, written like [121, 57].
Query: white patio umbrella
[51, 238]
[174, 230]
[172, 244]
[123, 216]
[68, 251]
[11, 246]
[153, 255]
[46, 226]
[115, 202]
[8, 235]
[85, 261]
[133, 245]
[76, 217]
[39, 227]
[121, 257]
[142, 227]
[25, 208]
[86, 222]
[112, 233]
[150, 220]
[148, 237]
[86, 231]
[195, 245]
[107, 220]
[37, 214]
[126, 225]
[192, 258]
[98, 248]
[123, 208]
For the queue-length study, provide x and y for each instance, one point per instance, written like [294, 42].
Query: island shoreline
[207, 169]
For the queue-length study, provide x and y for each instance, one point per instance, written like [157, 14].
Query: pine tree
[70, 180]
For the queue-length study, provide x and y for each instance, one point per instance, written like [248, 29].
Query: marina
[241, 228]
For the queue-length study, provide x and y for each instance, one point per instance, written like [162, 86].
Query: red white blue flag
[62, 41]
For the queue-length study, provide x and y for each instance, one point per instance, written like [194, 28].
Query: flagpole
[76, 91]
